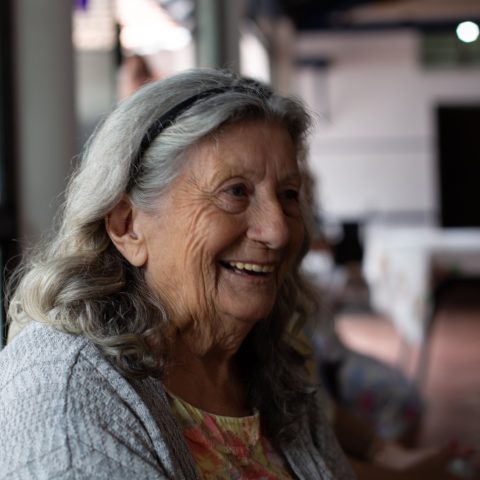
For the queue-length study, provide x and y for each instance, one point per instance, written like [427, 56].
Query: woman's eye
[234, 198]
[237, 191]
[291, 194]
[290, 200]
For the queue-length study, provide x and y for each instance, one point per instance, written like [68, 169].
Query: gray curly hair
[79, 283]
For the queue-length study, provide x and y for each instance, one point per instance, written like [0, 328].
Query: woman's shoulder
[62, 401]
[43, 356]
[39, 354]
[45, 366]
[45, 373]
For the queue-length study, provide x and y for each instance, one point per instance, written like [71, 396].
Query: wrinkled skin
[236, 200]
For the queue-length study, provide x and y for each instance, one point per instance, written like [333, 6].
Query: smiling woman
[231, 231]
[159, 317]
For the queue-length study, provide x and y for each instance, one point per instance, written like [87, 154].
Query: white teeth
[252, 267]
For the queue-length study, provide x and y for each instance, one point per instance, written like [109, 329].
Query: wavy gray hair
[79, 283]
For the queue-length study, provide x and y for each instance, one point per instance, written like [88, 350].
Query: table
[403, 266]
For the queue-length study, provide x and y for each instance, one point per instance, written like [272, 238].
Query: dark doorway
[8, 224]
[459, 165]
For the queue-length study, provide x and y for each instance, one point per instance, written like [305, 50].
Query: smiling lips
[255, 268]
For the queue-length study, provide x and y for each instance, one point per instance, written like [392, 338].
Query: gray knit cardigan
[67, 413]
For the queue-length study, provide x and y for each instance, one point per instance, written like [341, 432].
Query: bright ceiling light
[468, 32]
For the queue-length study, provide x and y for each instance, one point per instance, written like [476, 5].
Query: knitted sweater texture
[67, 413]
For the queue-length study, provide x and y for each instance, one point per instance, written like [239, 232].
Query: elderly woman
[160, 315]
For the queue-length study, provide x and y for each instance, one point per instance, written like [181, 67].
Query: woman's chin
[246, 317]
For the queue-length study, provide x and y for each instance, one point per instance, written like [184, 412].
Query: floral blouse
[230, 448]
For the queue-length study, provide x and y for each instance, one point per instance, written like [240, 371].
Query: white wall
[375, 150]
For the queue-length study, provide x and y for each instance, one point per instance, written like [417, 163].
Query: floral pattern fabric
[230, 448]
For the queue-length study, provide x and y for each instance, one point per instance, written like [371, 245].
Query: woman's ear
[125, 232]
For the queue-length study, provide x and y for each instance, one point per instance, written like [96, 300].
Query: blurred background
[394, 88]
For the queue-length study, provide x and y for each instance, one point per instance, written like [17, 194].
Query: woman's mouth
[248, 268]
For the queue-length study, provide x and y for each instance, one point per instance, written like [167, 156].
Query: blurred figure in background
[134, 72]
[373, 407]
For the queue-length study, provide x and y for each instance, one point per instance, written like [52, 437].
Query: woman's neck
[210, 381]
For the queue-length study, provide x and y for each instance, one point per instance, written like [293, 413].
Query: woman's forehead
[248, 148]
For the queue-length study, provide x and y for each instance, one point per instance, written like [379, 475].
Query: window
[442, 49]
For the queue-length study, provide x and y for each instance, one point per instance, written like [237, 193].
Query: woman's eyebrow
[292, 177]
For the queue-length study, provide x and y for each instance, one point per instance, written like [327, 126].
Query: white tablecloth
[399, 265]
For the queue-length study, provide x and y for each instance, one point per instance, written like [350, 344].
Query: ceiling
[346, 14]
[372, 14]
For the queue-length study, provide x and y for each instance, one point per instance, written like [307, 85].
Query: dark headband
[169, 117]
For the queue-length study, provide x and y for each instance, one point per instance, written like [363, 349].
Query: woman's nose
[268, 225]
